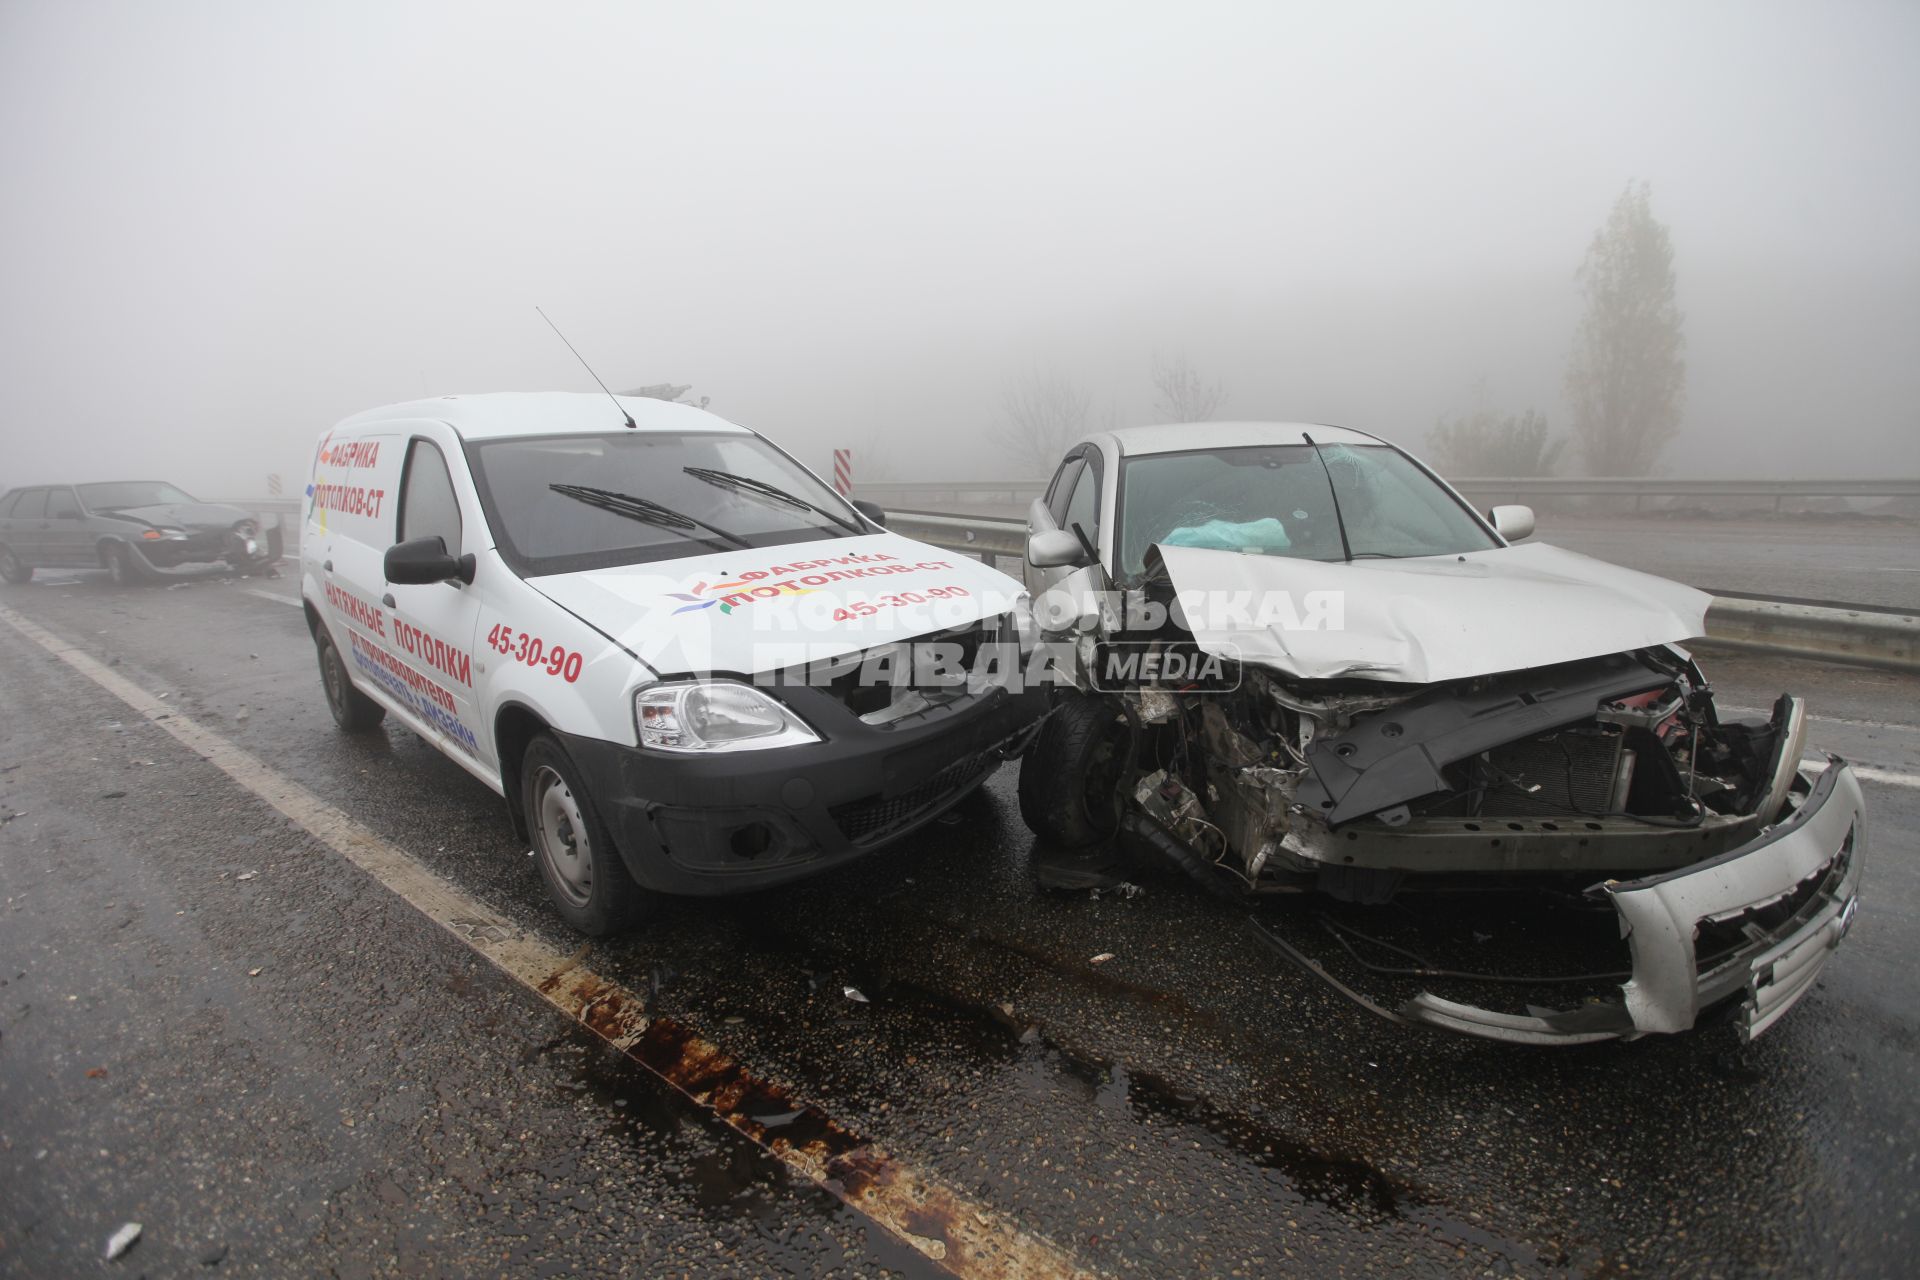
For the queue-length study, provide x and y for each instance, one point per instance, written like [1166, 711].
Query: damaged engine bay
[1594, 798]
[1610, 766]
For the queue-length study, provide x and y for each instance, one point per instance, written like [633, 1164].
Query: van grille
[872, 820]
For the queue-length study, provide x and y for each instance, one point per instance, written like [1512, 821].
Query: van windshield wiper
[765, 489]
[647, 511]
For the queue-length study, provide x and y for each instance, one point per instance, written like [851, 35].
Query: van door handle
[387, 600]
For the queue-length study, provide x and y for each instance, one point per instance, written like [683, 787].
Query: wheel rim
[560, 832]
[334, 678]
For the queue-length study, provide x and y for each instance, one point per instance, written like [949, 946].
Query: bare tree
[1627, 378]
[1487, 442]
[1182, 395]
[1042, 413]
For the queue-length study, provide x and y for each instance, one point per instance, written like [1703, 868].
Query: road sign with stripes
[843, 471]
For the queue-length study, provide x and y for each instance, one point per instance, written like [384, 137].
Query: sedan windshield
[563, 503]
[122, 495]
[1280, 500]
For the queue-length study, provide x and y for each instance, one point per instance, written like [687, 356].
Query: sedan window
[61, 506]
[1292, 500]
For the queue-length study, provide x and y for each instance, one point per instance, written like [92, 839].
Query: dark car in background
[135, 529]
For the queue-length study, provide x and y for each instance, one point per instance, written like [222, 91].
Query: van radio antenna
[589, 368]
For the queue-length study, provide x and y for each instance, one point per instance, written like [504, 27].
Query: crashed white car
[1304, 663]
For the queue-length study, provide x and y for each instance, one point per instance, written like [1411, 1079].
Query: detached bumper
[1789, 896]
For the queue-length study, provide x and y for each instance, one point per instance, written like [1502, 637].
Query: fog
[227, 225]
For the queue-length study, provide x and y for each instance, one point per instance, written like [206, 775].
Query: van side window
[1083, 508]
[7, 500]
[428, 505]
[32, 505]
[61, 505]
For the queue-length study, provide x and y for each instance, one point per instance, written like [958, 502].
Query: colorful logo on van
[727, 596]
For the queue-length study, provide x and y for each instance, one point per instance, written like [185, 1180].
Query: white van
[687, 664]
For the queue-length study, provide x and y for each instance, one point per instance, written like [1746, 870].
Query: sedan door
[64, 539]
[27, 527]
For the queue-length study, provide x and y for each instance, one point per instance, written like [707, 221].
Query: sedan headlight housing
[715, 715]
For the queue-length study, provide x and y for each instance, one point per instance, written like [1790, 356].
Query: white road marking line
[966, 1237]
[1866, 772]
[272, 595]
[1731, 709]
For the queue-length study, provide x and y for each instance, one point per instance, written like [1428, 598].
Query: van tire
[1068, 776]
[12, 568]
[585, 878]
[352, 710]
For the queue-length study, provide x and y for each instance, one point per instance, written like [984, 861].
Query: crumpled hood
[1429, 619]
[184, 515]
[770, 608]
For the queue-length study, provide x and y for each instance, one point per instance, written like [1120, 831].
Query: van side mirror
[423, 560]
[871, 510]
[1512, 522]
[1055, 548]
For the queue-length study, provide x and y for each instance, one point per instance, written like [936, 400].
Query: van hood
[1428, 619]
[770, 608]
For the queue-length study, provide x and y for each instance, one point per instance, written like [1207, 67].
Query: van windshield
[559, 504]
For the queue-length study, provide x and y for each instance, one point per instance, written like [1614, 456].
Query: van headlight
[715, 715]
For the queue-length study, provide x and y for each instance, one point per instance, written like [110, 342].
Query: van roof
[537, 413]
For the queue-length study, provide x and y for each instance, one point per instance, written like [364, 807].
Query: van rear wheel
[352, 710]
[586, 881]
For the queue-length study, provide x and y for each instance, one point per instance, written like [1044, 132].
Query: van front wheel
[352, 710]
[586, 881]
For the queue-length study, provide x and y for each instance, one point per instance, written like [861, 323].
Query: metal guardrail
[1878, 638]
[1886, 639]
[1021, 492]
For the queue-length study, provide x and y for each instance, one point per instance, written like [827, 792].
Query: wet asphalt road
[376, 1100]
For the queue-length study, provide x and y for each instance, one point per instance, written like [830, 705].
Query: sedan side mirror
[423, 560]
[1055, 548]
[1513, 522]
[871, 510]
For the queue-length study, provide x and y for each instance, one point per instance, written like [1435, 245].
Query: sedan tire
[1069, 776]
[13, 569]
[121, 567]
[586, 880]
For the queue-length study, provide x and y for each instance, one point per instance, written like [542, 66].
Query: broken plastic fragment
[122, 1240]
[246, 875]
[1102, 958]
[855, 994]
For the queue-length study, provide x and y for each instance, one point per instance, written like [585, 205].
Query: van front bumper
[736, 821]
